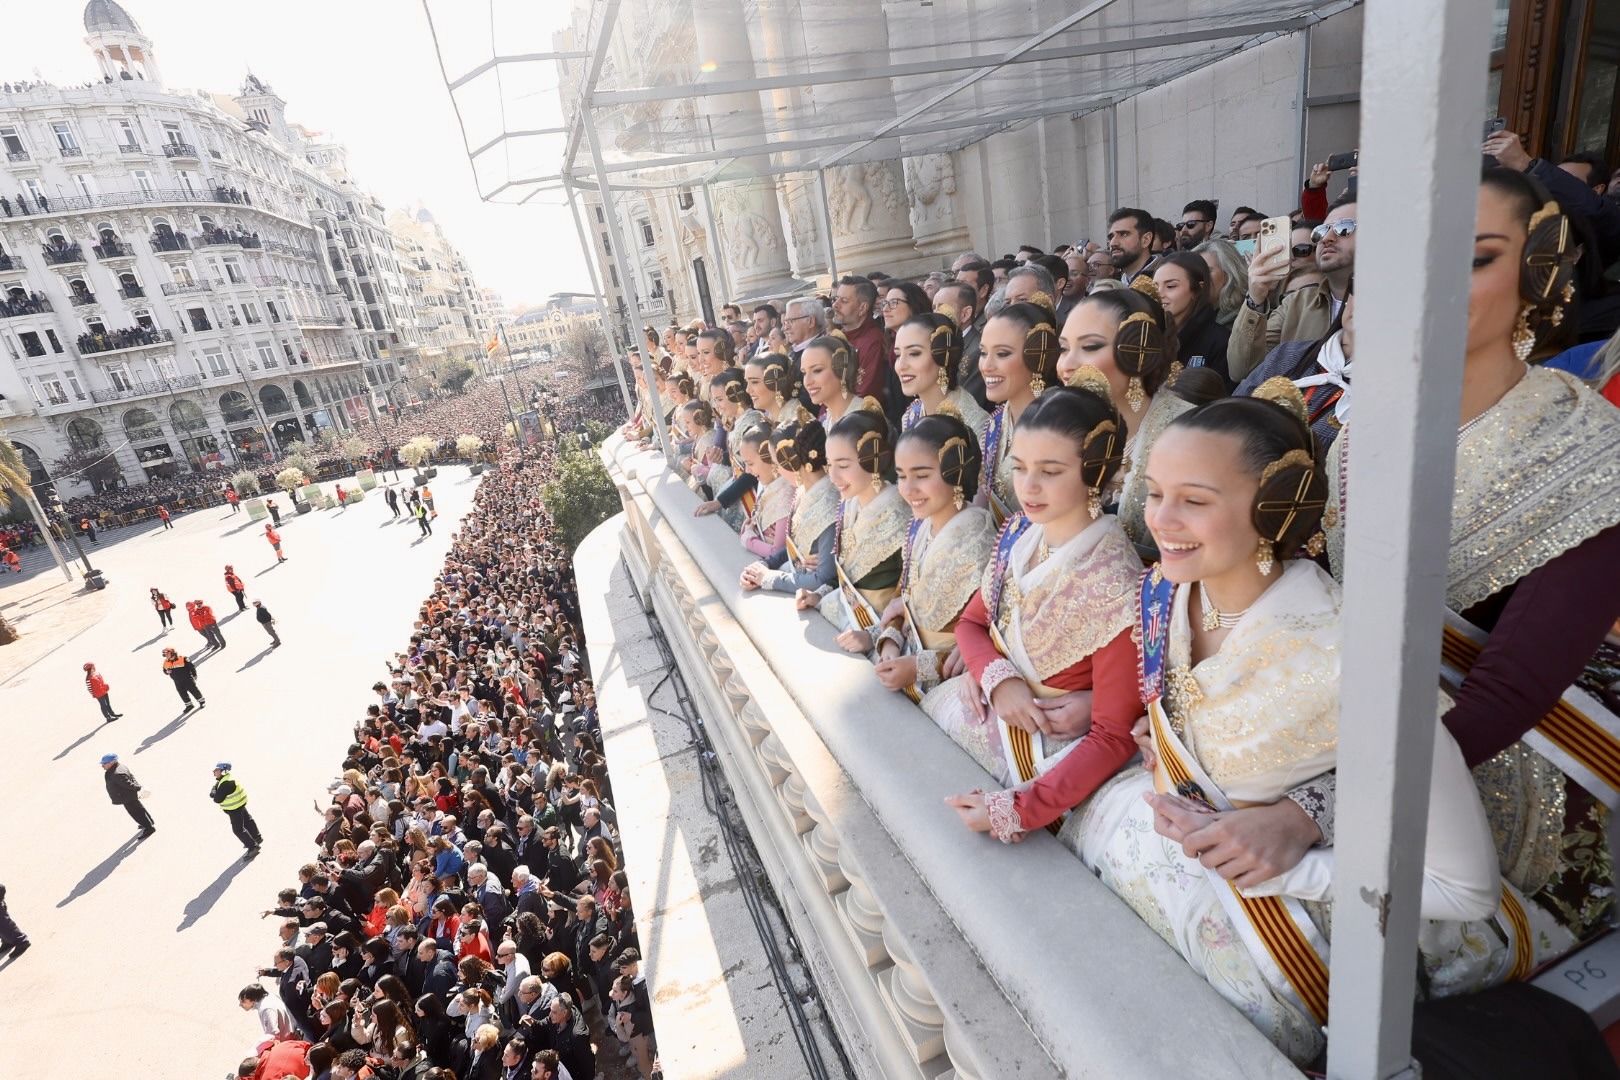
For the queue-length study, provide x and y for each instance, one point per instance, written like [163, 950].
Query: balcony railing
[70, 151]
[269, 281]
[173, 242]
[321, 320]
[82, 299]
[146, 388]
[133, 337]
[200, 325]
[179, 150]
[63, 256]
[130, 148]
[16, 155]
[11, 262]
[118, 199]
[11, 309]
[219, 238]
[132, 292]
[177, 288]
[113, 249]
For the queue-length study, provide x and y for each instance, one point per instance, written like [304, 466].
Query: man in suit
[439, 969]
[320, 949]
[125, 791]
[293, 985]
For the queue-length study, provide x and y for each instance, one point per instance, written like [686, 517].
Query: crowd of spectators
[465, 914]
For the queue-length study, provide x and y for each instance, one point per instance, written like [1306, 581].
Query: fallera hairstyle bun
[955, 447]
[800, 446]
[1278, 449]
[1041, 347]
[1085, 416]
[730, 382]
[868, 432]
[944, 342]
[842, 357]
[1143, 349]
[725, 349]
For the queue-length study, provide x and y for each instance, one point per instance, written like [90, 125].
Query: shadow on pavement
[150, 641]
[267, 569]
[204, 901]
[100, 872]
[234, 614]
[260, 655]
[80, 741]
[164, 732]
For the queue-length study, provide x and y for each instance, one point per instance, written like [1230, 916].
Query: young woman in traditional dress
[1240, 647]
[1018, 359]
[704, 450]
[730, 484]
[1124, 334]
[927, 356]
[765, 531]
[770, 385]
[807, 563]
[947, 545]
[828, 369]
[869, 531]
[1052, 617]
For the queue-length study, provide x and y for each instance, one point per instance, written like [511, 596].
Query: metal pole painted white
[826, 223]
[1422, 85]
[44, 524]
[713, 236]
[1302, 94]
[1112, 113]
[627, 281]
[596, 287]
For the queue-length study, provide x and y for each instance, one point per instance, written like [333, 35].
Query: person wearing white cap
[125, 791]
[232, 798]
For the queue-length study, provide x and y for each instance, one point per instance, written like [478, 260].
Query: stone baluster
[911, 1001]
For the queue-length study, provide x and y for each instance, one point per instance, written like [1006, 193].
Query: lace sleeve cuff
[927, 671]
[998, 672]
[1317, 798]
[1003, 813]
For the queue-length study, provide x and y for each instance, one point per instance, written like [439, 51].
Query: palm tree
[13, 485]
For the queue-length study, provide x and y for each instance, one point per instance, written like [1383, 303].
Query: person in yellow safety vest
[232, 798]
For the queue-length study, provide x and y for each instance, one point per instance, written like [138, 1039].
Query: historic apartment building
[186, 280]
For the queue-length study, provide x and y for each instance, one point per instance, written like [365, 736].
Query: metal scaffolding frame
[1422, 82]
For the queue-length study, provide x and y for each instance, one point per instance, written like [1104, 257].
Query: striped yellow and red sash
[1579, 735]
[1272, 920]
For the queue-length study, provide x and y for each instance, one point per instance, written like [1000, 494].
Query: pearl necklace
[1214, 619]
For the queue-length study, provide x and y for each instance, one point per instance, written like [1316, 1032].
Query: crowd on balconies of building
[128, 337]
[32, 304]
[1086, 508]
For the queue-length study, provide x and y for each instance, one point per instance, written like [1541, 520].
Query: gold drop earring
[1037, 384]
[958, 496]
[1264, 557]
[943, 381]
[1524, 338]
[1134, 394]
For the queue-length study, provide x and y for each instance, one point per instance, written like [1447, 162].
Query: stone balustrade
[937, 952]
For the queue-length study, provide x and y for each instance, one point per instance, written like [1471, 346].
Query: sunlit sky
[364, 71]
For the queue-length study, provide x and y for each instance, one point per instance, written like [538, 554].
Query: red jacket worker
[97, 686]
[274, 537]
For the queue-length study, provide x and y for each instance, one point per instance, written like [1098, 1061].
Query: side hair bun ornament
[1090, 379]
[1041, 300]
[1147, 287]
[1280, 390]
[948, 408]
[947, 310]
[871, 406]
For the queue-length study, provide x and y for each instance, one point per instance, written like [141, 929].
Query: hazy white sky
[364, 71]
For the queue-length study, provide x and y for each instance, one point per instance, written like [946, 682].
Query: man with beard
[1304, 314]
[1197, 224]
[1130, 243]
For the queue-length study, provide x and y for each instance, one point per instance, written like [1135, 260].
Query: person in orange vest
[427, 497]
[184, 674]
[342, 498]
[163, 516]
[274, 537]
[203, 621]
[231, 497]
[234, 586]
[11, 560]
[97, 686]
[88, 528]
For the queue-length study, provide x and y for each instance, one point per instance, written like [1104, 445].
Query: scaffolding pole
[826, 224]
[713, 237]
[601, 299]
[626, 279]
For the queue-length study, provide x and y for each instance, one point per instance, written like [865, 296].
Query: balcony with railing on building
[16, 155]
[125, 387]
[132, 292]
[63, 254]
[70, 151]
[179, 150]
[12, 307]
[220, 237]
[82, 298]
[11, 262]
[130, 148]
[181, 288]
[232, 195]
[130, 337]
[164, 241]
[114, 249]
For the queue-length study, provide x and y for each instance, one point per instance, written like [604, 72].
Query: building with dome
[187, 280]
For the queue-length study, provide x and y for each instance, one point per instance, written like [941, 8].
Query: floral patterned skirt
[980, 741]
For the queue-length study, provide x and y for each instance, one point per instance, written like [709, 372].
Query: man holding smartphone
[1578, 183]
[1304, 314]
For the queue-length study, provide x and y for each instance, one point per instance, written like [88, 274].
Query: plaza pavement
[140, 949]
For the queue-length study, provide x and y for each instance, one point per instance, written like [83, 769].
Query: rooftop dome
[101, 16]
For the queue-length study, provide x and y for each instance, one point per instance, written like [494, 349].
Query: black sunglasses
[1302, 250]
[1192, 224]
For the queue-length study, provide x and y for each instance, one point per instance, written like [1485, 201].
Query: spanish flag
[494, 343]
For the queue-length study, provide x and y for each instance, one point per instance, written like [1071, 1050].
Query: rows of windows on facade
[154, 241]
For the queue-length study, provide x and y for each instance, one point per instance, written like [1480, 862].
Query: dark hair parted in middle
[955, 447]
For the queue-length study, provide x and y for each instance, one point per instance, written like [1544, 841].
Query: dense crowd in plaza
[1087, 507]
[465, 912]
